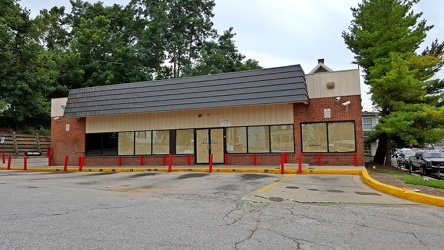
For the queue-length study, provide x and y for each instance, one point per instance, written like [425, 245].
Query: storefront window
[282, 138]
[143, 142]
[161, 142]
[236, 140]
[341, 137]
[109, 143]
[259, 139]
[185, 141]
[93, 144]
[126, 143]
[314, 137]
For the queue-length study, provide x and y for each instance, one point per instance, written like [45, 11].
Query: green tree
[25, 71]
[220, 56]
[384, 37]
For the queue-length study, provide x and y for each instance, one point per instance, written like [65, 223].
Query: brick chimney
[321, 60]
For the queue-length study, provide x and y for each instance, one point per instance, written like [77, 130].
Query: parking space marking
[274, 183]
[200, 181]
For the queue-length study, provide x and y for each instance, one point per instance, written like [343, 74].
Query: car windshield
[433, 155]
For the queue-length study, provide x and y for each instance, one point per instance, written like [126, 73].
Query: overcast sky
[287, 32]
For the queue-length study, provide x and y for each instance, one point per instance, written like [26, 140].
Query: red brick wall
[314, 112]
[67, 143]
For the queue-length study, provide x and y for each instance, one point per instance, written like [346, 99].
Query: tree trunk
[382, 155]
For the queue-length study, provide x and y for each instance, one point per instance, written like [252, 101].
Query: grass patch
[418, 180]
[386, 171]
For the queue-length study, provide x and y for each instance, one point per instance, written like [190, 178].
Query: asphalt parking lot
[187, 210]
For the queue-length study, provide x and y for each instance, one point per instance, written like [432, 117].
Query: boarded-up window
[126, 143]
[259, 139]
[161, 142]
[314, 137]
[341, 137]
[237, 140]
[185, 141]
[282, 138]
[143, 142]
[328, 137]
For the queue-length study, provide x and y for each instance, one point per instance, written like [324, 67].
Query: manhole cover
[277, 199]
[313, 189]
[254, 176]
[335, 191]
[292, 187]
[367, 193]
[193, 175]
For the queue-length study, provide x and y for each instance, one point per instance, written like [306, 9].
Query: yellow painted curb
[332, 171]
[400, 192]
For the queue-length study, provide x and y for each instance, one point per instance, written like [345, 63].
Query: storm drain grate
[313, 189]
[367, 193]
[292, 187]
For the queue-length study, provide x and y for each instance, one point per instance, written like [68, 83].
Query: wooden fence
[14, 144]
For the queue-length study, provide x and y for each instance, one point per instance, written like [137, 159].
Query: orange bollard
[210, 167]
[226, 159]
[188, 160]
[65, 166]
[141, 160]
[9, 162]
[282, 163]
[25, 162]
[254, 159]
[319, 159]
[120, 160]
[3, 156]
[82, 160]
[170, 163]
[299, 163]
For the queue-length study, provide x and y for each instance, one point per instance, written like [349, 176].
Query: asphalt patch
[335, 191]
[367, 193]
[142, 175]
[276, 199]
[99, 173]
[254, 176]
[192, 175]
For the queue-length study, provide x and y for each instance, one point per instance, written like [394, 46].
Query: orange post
[210, 167]
[188, 160]
[299, 163]
[3, 156]
[9, 162]
[25, 162]
[319, 159]
[254, 159]
[141, 160]
[120, 160]
[282, 163]
[65, 166]
[82, 160]
[170, 163]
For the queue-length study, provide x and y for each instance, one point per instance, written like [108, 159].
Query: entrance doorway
[209, 141]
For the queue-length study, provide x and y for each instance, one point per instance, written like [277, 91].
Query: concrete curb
[400, 192]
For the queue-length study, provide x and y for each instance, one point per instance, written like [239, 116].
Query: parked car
[403, 158]
[428, 162]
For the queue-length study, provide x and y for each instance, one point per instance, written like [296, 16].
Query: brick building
[235, 117]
